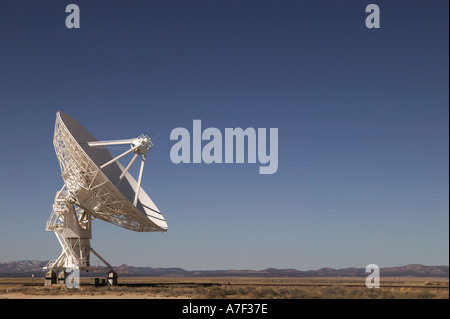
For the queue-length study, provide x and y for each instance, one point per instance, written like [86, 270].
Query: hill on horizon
[27, 268]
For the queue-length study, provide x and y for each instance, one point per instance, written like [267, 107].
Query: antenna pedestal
[72, 227]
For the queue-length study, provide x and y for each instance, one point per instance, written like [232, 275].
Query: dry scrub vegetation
[242, 289]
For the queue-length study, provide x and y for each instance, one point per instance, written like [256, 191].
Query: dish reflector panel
[94, 188]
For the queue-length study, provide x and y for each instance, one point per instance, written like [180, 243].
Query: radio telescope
[96, 185]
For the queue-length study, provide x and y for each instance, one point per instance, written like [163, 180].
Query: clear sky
[362, 114]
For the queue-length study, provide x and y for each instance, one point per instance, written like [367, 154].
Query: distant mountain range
[26, 268]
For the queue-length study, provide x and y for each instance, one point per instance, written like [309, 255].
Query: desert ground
[230, 288]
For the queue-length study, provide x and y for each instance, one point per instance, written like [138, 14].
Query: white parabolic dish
[94, 189]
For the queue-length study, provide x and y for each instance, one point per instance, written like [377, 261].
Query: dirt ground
[230, 288]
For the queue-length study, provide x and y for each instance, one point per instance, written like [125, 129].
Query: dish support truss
[92, 189]
[72, 227]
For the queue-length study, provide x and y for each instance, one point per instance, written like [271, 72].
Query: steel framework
[72, 227]
[88, 194]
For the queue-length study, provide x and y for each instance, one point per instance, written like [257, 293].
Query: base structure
[61, 278]
[72, 227]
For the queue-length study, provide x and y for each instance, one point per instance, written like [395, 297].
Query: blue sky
[362, 118]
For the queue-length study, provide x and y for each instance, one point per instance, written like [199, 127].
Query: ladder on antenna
[55, 220]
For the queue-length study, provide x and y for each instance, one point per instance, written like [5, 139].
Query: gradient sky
[362, 114]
